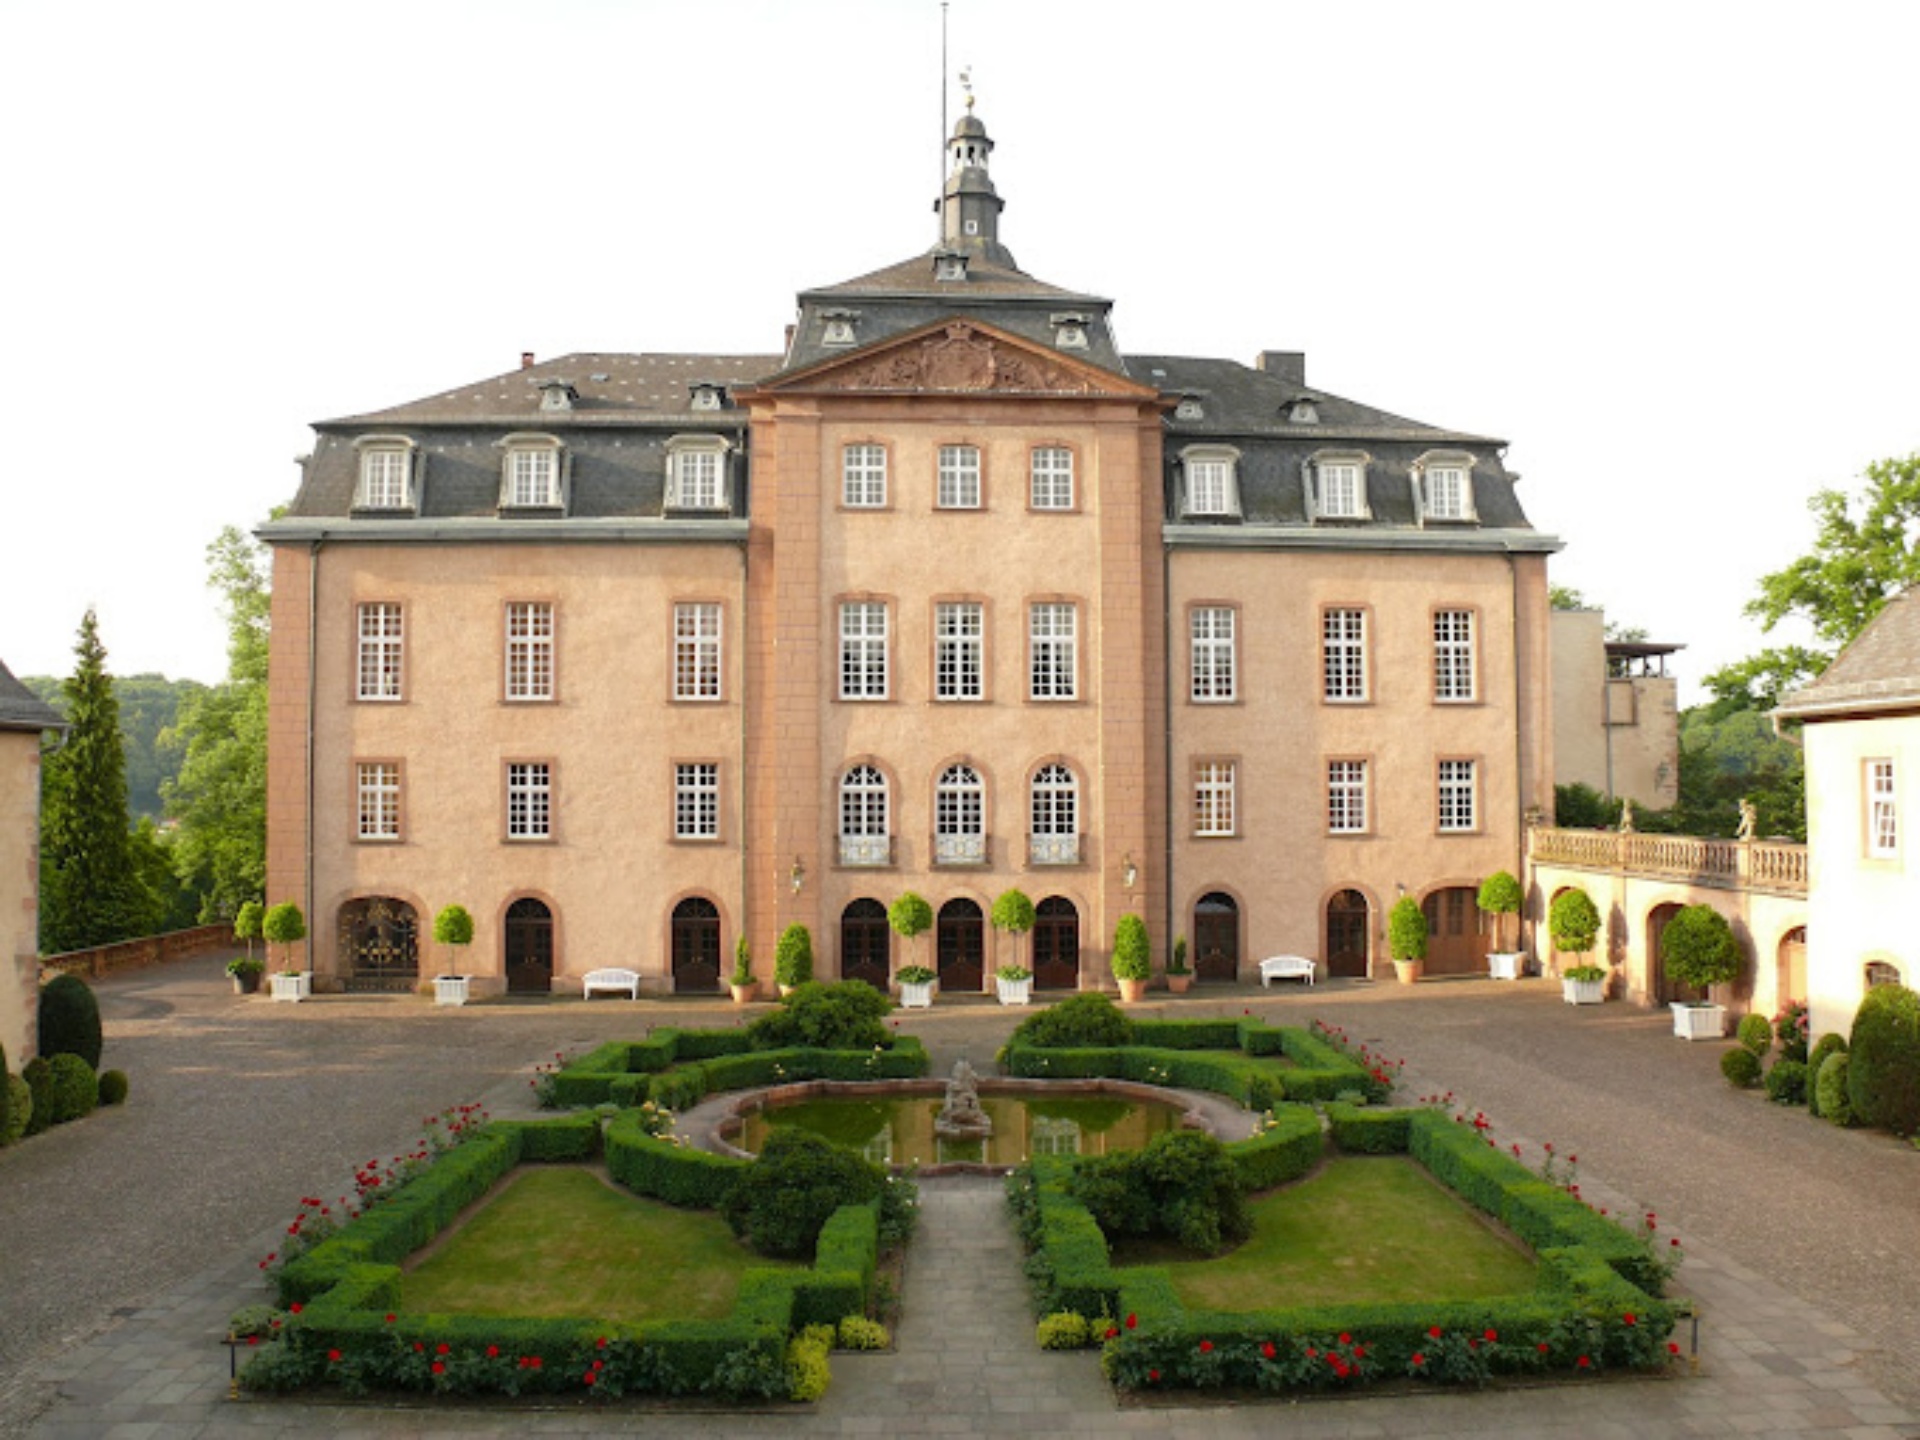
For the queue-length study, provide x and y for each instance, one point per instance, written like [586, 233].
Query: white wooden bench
[612, 978]
[1285, 967]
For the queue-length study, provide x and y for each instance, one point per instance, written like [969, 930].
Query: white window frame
[1343, 655]
[698, 473]
[1050, 477]
[1214, 809]
[865, 673]
[1210, 481]
[533, 473]
[1446, 491]
[696, 800]
[865, 804]
[380, 653]
[1458, 797]
[957, 485]
[1453, 656]
[959, 650]
[863, 476]
[1213, 668]
[1883, 808]
[959, 804]
[530, 650]
[377, 796]
[1346, 797]
[529, 800]
[1053, 636]
[698, 637]
[1054, 801]
[386, 474]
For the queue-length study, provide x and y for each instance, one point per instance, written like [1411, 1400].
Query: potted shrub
[1016, 984]
[1574, 923]
[1179, 977]
[1013, 913]
[793, 957]
[1500, 897]
[246, 924]
[741, 983]
[246, 972]
[1698, 950]
[1407, 939]
[1132, 958]
[452, 927]
[916, 986]
[909, 917]
[285, 926]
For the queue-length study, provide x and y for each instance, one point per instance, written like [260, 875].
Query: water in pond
[898, 1129]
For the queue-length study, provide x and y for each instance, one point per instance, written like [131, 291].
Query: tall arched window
[863, 817]
[959, 817]
[1055, 806]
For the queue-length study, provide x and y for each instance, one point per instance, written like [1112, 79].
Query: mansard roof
[21, 709]
[1878, 672]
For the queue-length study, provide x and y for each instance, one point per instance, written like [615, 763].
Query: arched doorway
[866, 944]
[1658, 988]
[1056, 945]
[529, 939]
[696, 946]
[1347, 926]
[379, 945]
[960, 946]
[1790, 972]
[1455, 945]
[1216, 938]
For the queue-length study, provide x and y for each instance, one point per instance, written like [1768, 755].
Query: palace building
[636, 654]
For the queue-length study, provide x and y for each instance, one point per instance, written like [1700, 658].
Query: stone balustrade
[1770, 866]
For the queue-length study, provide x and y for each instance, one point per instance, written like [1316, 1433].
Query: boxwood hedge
[678, 1068]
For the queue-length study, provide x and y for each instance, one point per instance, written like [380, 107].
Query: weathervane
[966, 84]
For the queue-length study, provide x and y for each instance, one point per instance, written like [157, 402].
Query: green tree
[452, 927]
[1013, 912]
[90, 889]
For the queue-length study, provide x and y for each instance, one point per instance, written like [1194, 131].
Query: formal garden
[1340, 1241]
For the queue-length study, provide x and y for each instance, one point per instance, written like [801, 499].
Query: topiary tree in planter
[793, 957]
[453, 927]
[1500, 897]
[1883, 1071]
[1132, 956]
[1574, 922]
[1407, 938]
[1013, 913]
[284, 926]
[910, 917]
[246, 924]
[1698, 948]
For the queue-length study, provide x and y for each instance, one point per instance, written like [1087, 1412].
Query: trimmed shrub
[1832, 1043]
[1500, 897]
[859, 1333]
[1062, 1330]
[1883, 1082]
[1574, 922]
[692, 1179]
[786, 1197]
[1791, 1026]
[1089, 1019]
[1183, 1185]
[845, 1015]
[1364, 1130]
[19, 1110]
[69, 1020]
[38, 1074]
[76, 1089]
[1756, 1033]
[113, 1087]
[807, 1369]
[1836, 1103]
[1286, 1149]
[1741, 1067]
[1699, 950]
[1787, 1083]
[1407, 930]
[1132, 955]
[793, 956]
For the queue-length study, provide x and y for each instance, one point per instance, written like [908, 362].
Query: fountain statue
[961, 1117]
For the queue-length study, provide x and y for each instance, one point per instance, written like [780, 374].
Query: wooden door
[1216, 938]
[960, 946]
[529, 948]
[1347, 927]
[696, 947]
[1056, 945]
[866, 944]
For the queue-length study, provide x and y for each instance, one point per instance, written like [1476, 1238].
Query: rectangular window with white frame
[863, 650]
[1453, 655]
[1343, 655]
[530, 650]
[1347, 797]
[1448, 493]
[1458, 797]
[696, 651]
[1213, 798]
[1343, 489]
[958, 484]
[1883, 815]
[696, 476]
[533, 478]
[377, 793]
[1052, 478]
[381, 651]
[530, 800]
[959, 638]
[1211, 488]
[696, 801]
[1213, 668]
[385, 478]
[1053, 643]
[863, 477]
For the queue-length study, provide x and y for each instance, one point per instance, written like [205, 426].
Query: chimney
[1288, 365]
[790, 330]
[526, 359]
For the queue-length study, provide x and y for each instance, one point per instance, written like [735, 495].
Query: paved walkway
[130, 1238]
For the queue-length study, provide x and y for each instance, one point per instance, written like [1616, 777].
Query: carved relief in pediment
[960, 359]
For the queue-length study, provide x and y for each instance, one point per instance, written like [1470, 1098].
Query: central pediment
[956, 357]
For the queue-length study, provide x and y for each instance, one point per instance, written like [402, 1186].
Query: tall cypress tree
[90, 891]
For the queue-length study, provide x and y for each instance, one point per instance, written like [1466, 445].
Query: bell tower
[969, 208]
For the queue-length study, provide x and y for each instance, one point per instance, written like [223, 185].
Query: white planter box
[1014, 992]
[1699, 1022]
[1583, 992]
[917, 997]
[1505, 965]
[450, 990]
[292, 987]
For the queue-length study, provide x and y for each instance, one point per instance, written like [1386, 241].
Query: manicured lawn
[1357, 1230]
[562, 1242]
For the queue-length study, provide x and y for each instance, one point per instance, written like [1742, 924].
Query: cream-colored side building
[638, 655]
[1616, 713]
[1862, 739]
[23, 719]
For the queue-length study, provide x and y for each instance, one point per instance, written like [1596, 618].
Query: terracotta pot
[743, 993]
[1132, 991]
[1409, 971]
[1179, 984]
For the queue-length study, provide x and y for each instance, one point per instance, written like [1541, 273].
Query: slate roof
[21, 709]
[915, 277]
[1879, 671]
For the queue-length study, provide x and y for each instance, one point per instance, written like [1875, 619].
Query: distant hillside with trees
[149, 705]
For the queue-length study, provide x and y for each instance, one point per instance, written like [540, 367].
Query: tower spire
[970, 209]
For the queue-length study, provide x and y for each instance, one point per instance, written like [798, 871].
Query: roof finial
[966, 84]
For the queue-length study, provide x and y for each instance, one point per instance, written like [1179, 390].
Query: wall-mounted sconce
[798, 875]
[1129, 872]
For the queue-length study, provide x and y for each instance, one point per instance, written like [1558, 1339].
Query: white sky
[1667, 250]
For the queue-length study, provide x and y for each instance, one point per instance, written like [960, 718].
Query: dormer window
[386, 473]
[1189, 408]
[950, 265]
[837, 327]
[1337, 487]
[707, 395]
[1069, 331]
[557, 395]
[1211, 485]
[1303, 411]
[1443, 487]
[533, 473]
[697, 473]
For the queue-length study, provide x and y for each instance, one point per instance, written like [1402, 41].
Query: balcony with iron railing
[1053, 849]
[866, 851]
[960, 849]
[1775, 867]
